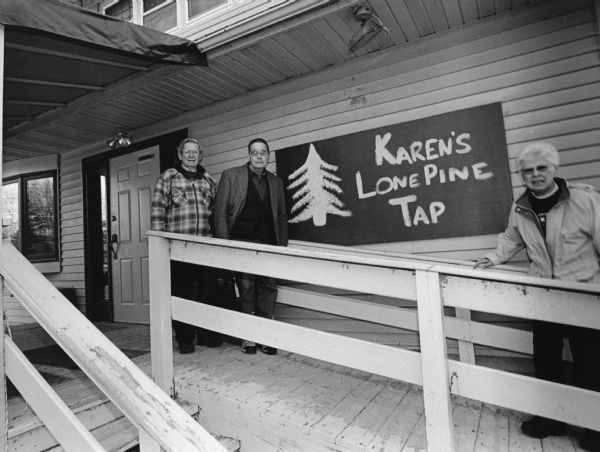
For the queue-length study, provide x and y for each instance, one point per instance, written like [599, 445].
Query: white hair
[538, 149]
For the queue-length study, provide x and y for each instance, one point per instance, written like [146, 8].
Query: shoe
[268, 350]
[214, 342]
[248, 347]
[210, 342]
[590, 441]
[541, 427]
[185, 348]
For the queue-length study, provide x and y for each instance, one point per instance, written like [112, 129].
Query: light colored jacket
[571, 249]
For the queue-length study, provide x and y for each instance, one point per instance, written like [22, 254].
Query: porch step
[95, 411]
[120, 435]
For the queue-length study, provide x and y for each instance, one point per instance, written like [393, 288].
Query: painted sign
[442, 176]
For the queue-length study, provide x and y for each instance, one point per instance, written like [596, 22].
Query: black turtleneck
[198, 174]
[541, 207]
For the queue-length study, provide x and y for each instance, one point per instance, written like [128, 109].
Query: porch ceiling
[41, 120]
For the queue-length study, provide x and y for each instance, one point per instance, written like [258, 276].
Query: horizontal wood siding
[544, 69]
[545, 73]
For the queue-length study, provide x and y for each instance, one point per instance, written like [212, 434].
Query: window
[29, 215]
[198, 7]
[122, 9]
[160, 15]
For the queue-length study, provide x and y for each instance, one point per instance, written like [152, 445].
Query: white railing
[431, 285]
[161, 422]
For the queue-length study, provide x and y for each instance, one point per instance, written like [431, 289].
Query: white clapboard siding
[545, 72]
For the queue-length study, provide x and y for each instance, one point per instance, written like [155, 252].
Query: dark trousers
[197, 283]
[585, 348]
[258, 294]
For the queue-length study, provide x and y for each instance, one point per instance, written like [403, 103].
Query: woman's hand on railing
[484, 262]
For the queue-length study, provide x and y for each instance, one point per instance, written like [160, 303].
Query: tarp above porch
[55, 53]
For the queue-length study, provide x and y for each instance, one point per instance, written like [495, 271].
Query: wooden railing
[160, 420]
[431, 285]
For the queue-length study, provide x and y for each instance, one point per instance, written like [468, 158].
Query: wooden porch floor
[288, 402]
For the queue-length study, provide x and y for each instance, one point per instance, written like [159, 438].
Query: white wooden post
[436, 390]
[3, 402]
[161, 330]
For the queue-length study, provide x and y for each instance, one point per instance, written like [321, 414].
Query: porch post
[161, 331]
[3, 401]
[436, 389]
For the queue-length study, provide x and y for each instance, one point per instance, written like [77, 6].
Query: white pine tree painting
[316, 196]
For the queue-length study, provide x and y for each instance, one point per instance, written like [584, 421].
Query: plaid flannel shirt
[181, 204]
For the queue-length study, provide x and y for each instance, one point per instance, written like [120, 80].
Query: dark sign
[442, 176]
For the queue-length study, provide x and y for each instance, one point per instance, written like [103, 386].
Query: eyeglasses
[192, 151]
[254, 153]
[535, 169]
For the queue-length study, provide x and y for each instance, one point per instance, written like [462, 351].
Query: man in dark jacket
[250, 206]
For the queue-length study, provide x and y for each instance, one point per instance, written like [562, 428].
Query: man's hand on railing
[484, 262]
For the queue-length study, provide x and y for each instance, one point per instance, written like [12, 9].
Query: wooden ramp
[285, 402]
[98, 414]
[289, 402]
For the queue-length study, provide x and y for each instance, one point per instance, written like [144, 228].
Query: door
[132, 177]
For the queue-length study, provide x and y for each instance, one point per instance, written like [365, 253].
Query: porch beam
[34, 102]
[69, 56]
[28, 81]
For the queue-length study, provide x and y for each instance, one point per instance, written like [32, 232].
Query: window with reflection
[122, 9]
[150, 4]
[162, 16]
[199, 7]
[10, 213]
[29, 215]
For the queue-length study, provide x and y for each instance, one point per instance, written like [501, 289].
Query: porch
[283, 402]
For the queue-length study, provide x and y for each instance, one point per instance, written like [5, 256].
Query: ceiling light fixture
[121, 140]
[370, 26]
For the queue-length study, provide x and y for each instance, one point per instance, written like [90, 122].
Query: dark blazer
[231, 197]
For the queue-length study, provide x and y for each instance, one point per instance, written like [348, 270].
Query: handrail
[394, 255]
[404, 263]
[432, 285]
[128, 387]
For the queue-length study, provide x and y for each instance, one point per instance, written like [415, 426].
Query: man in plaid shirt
[182, 202]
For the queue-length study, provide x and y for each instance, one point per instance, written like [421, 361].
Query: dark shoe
[210, 341]
[185, 348]
[248, 347]
[214, 342]
[268, 350]
[590, 441]
[541, 427]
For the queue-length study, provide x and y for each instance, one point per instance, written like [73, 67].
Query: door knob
[114, 246]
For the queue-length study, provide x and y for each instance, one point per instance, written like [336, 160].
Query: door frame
[97, 309]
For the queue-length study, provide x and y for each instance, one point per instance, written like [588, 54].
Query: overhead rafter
[51, 83]
[75, 57]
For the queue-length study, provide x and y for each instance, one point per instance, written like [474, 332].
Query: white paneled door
[132, 178]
